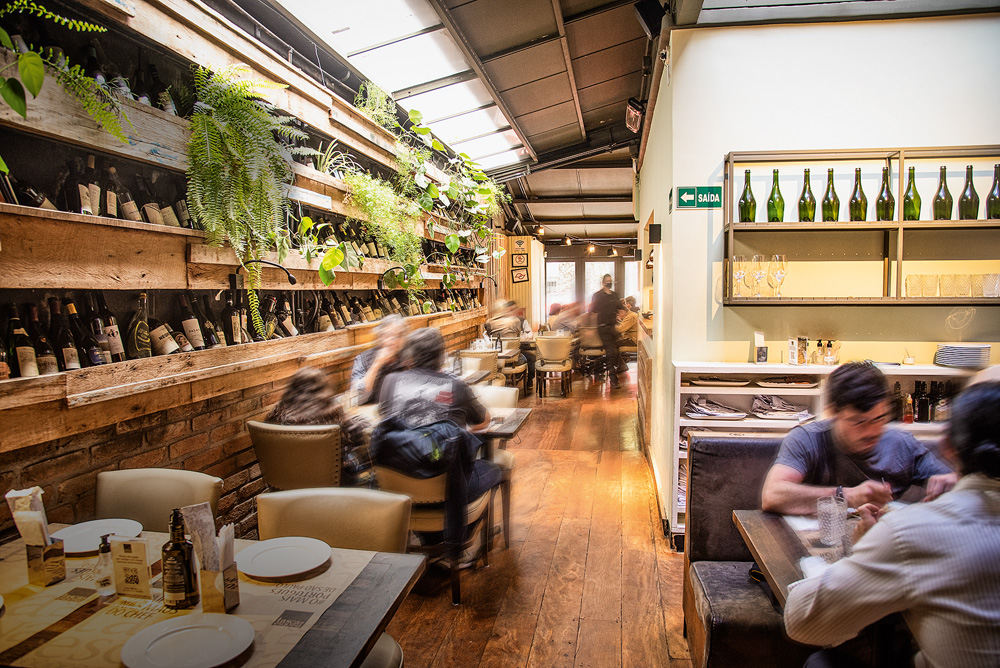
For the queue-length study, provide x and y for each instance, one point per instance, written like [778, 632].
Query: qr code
[131, 575]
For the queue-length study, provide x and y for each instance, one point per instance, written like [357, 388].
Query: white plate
[720, 383]
[199, 640]
[803, 385]
[86, 536]
[282, 557]
[737, 416]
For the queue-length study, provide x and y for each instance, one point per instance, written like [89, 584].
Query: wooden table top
[513, 420]
[774, 547]
[347, 631]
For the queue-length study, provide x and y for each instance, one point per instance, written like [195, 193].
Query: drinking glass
[832, 514]
[913, 285]
[991, 285]
[739, 272]
[977, 284]
[949, 285]
[963, 285]
[758, 270]
[776, 273]
[929, 285]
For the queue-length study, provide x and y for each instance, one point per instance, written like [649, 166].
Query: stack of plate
[963, 355]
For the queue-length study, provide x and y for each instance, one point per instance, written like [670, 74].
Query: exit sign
[699, 197]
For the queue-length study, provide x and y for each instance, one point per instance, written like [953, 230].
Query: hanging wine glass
[739, 272]
[776, 272]
[758, 270]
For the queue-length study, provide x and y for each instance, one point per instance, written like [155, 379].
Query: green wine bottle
[993, 199]
[807, 202]
[911, 199]
[857, 206]
[775, 203]
[748, 205]
[968, 203]
[942, 204]
[885, 204]
[831, 203]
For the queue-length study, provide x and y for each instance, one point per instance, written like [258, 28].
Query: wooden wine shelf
[868, 225]
[862, 301]
[34, 410]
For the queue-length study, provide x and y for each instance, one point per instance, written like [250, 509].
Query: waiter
[605, 305]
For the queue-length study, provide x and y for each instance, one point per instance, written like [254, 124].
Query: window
[593, 273]
[632, 277]
[560, 284]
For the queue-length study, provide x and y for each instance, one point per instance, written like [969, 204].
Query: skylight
[402, 47]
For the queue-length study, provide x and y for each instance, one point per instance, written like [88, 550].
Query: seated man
[937, 563]
[373, 365]
[423, 394]
[630, 302]
[851, 454]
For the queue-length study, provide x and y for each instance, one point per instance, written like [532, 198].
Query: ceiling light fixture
[541, 231]
[612, 252]
[591, 248]
[569, 242]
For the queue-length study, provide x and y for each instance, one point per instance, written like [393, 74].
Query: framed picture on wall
[519, 259]
[519, 276]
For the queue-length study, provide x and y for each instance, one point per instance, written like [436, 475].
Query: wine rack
[896, 238]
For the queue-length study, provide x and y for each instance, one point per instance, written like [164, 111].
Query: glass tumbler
[963, 285]
[929, 285]
[913, 285]
[949, 285]
[977, 284]
[832, 514]
[991, 285]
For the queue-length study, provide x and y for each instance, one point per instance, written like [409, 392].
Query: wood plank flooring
[588, 580]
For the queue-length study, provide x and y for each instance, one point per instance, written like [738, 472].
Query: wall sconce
[591, 248]
[569, 242]
[612, 252]
[649, 262]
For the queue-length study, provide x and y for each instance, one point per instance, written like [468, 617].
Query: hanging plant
[97, 99]
[238, 170]
[377, 105]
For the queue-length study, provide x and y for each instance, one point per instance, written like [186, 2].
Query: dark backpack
[421, 452]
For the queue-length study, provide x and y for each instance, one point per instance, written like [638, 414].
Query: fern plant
[378, 105]
[238, 169]
[97, 100]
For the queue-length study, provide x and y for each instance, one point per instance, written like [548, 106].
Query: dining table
[343, 606]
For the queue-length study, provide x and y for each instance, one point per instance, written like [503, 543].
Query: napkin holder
[46, 563]
[220, 590]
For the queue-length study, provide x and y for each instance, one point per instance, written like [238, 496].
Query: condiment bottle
[104, 570]
[179, 589]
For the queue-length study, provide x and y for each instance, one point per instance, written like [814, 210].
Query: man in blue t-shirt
[851, 455]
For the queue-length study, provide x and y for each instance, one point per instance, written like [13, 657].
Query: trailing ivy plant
[238, 170]
[97, 99]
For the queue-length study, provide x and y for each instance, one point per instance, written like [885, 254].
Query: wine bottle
[92, 67]
[127, 208]
[212, 334]
[45, 354]
[270, 317]
[87, 346]
[179, 591]
[886, 203]
[111, 329]
[28, 195]
[140, 89]
[775, 203]
[942, 203]
[968, 203]
[993, 199]
[324, 318]
[77, 190]
[147, 204]
[160, 340]
[285, 321]
[160, 93]
[109, 203]
[857, 206]
[93, 181]
[366, 310]
[164, 203]
[231, 321]
[182, 341]
[189, 323]
[911, 199]
[96, 326]
[807, 202]
[137, 342]
[61, 338]
[831, 203]
[341, 308]
[20, 349]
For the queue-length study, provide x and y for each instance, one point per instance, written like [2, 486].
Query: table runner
[67, 623]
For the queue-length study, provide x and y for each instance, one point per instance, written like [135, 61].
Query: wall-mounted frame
[519, 276]
[519, 260]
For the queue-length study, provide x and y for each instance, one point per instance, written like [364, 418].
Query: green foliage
[237, 169]
[97, 100]
[333, 162]
[378, 105]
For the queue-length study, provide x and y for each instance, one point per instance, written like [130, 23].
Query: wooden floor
[588, 580]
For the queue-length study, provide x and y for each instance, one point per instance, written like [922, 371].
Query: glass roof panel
[505, 158]
[468, 125]
[352, 26]
[488, 145]
[449, 100]
[412, 61]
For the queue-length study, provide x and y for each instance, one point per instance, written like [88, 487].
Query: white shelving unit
[742, 397]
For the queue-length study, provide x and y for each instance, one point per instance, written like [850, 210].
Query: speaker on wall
[654, 233]
[649, 13]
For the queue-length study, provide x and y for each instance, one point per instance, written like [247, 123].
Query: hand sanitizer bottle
[104, 569]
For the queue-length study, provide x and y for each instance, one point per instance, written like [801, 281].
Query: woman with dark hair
[938, 562]
[308, 399]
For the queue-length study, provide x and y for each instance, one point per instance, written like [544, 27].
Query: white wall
[868, 84]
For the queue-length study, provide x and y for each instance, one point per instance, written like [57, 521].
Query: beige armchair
[501, 397]
[148, 495]
[554, 362]
[591, 352]
[344, 517]
[428, 515]
[297, 456]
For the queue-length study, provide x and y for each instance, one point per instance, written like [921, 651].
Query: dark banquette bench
[728, 618]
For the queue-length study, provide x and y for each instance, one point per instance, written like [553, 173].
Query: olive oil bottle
[179, 588]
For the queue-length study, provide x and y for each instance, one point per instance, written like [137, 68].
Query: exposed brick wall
[208, 436]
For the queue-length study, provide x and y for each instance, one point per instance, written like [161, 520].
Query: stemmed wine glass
[758, 270]
[776, 273]
[739, 272]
